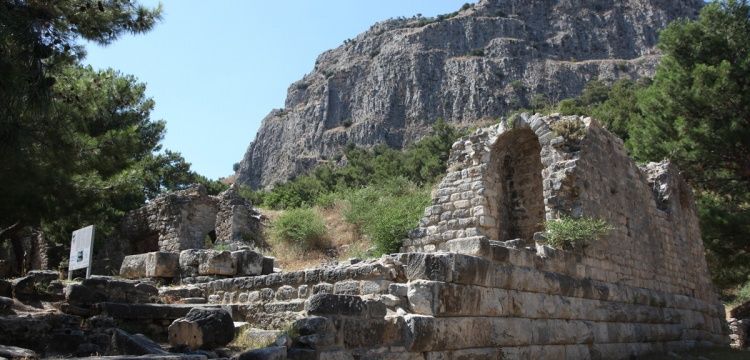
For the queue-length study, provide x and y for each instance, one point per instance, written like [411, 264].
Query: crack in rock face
[390, 83]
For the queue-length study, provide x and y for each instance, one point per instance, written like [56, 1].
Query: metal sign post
[81, 251]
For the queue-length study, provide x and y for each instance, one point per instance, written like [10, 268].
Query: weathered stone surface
[150, 357]
[269, 353]
[145, 311]
[249, 263]
[268, 263]
[36, 284]
[179, 294]
[162, 264]
[237, 223]
[6, 289]
[126, 344]
[510, 50]
[330, 304]
[216, 263]
[111, 289]
[42, 332]
[14, 352]
[187, 219]
[202, 329]
[206, 262]
[134, 266]
[5, 303]
[265, 338]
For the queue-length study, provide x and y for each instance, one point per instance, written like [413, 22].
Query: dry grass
[345, 239]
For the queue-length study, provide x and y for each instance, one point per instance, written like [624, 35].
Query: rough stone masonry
[475, 280]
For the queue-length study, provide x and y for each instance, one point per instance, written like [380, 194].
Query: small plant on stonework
[221, 247]
[477, 52]
[575, 233]
[572, 130]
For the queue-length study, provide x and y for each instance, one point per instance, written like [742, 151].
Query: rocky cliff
[389, 84]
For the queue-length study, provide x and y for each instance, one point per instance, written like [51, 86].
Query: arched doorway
[516, 173]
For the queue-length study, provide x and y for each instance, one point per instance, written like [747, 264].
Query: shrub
[517, 85]
[572, 130]
[302, 228]
[743, 294]
[386, 213]
[477, 52]
[575, 233]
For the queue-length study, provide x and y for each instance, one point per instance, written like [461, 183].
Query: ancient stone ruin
[475, 280]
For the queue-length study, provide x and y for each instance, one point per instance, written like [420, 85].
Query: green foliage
[575, 233]
[743, 293]
[614, 105]
[572, 130]
[517, 85]
[303, 228]
[696, 114]
[477, 52]
[387, 212]
[78, 145]
[421, 163]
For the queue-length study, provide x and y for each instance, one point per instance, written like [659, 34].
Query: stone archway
[516, 182]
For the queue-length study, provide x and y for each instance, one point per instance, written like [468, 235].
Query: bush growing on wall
[575, 233]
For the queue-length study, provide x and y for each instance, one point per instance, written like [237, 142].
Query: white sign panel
[80, 248]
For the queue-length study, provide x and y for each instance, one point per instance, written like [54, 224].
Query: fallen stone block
[35, 284]
[5, 303]
[162, 264]
[332, 304]
[118, 290]
[248, 262]
[202, 328]
[79, 295]
[138, 344]
[144, 311]
[154, 264]
[216, 263]
[188, 262]
[133, 266]
[13, 352]
[206, 262]
[269, 353]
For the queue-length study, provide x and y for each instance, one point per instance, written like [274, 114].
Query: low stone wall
[509, 303]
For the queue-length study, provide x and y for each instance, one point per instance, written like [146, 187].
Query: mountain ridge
[390, 83]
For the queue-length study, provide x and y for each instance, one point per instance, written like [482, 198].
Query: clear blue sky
[216, 68]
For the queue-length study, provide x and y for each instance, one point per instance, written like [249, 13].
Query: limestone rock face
[202, 329]
[389, 84]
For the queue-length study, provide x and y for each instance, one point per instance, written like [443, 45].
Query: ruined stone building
[476, 281]
[185, 219]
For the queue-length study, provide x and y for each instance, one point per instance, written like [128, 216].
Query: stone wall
[477, 281]
[509, 304]
[188, 219]
[174, 222]
[496, 186]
